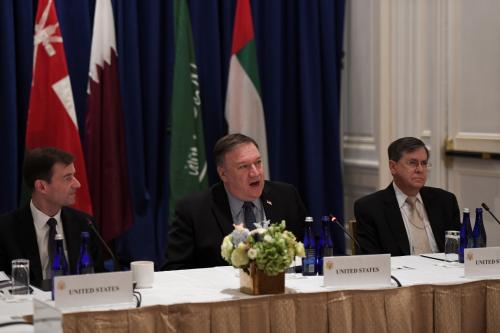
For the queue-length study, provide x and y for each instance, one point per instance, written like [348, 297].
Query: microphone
[486, 208]
[337, 222]
[333, 219]
[116, 263]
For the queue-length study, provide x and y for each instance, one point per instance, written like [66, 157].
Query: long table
[435, 297]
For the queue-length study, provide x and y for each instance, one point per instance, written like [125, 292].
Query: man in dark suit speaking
[406, 217]
[24, 233]
[203, 219]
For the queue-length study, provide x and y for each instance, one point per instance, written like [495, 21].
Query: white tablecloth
[222, 284]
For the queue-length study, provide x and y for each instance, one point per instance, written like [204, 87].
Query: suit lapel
[267, 202]
[395, 220]
[221, 209]
[432, 209]
[29, 242]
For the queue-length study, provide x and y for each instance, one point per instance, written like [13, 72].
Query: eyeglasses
[414, 164]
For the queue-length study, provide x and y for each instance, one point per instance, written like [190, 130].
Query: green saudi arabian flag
[188, 165]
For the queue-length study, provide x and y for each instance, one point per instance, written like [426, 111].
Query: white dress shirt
[42, 236]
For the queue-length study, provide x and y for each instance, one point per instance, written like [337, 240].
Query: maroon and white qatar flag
[104, 130]
[52, 116]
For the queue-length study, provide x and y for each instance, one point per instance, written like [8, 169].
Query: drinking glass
[451, 245]
[20, 279]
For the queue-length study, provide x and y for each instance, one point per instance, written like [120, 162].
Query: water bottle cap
[466, 210]
[309, 219]
[325, 218]
[58, 237]
[479, 210]
[84, 234]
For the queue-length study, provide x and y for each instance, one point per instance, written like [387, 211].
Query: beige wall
[426, 68]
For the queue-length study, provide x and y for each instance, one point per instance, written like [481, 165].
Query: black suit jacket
[18, 240]
[203, 219]
[380, 226]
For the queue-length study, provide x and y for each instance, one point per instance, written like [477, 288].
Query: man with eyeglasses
[407, 217]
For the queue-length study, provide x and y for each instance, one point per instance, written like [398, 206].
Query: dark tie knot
[248, 204]
[52, 222]
[412, 201]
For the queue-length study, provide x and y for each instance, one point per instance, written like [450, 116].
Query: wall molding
[475, 142]
[360, 163]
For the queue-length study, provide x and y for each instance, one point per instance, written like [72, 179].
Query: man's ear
[222, 173]
[393, 166]
[40, 186]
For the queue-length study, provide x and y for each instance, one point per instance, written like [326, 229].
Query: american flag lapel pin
[269, 202]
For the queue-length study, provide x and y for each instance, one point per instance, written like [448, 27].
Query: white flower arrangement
[271, 247]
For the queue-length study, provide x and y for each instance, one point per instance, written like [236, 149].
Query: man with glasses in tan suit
[407, 217]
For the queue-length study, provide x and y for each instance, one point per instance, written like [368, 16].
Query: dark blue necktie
[51, 244]
[249, 215]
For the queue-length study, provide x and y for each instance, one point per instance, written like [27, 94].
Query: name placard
[366, 270]
[93, 289]
[482, 262]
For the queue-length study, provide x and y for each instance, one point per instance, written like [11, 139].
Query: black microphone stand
[116, 263]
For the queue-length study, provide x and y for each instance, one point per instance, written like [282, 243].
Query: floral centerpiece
[267, 250]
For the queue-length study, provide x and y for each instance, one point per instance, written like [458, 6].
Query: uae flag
[51, 116]
[104, 130]
[244, 111]
[188, 165]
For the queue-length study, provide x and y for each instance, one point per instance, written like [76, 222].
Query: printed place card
[482, 262]
[93, 289]
[358, 271]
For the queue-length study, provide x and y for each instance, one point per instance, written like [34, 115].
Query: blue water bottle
[309, 261]
[479, 234]
[465, 235]
[59, 264]
[325, 243]
[85, 262]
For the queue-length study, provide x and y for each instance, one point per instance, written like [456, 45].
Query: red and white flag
[244, 111]
[51, 116]
[104, 130]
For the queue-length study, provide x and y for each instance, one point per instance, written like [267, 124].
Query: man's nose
[76, 183]
[420, 167]
[254, 170]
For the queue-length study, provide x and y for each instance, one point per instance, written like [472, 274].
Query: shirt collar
[401, 197]
[40, 218]
[236, 204]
